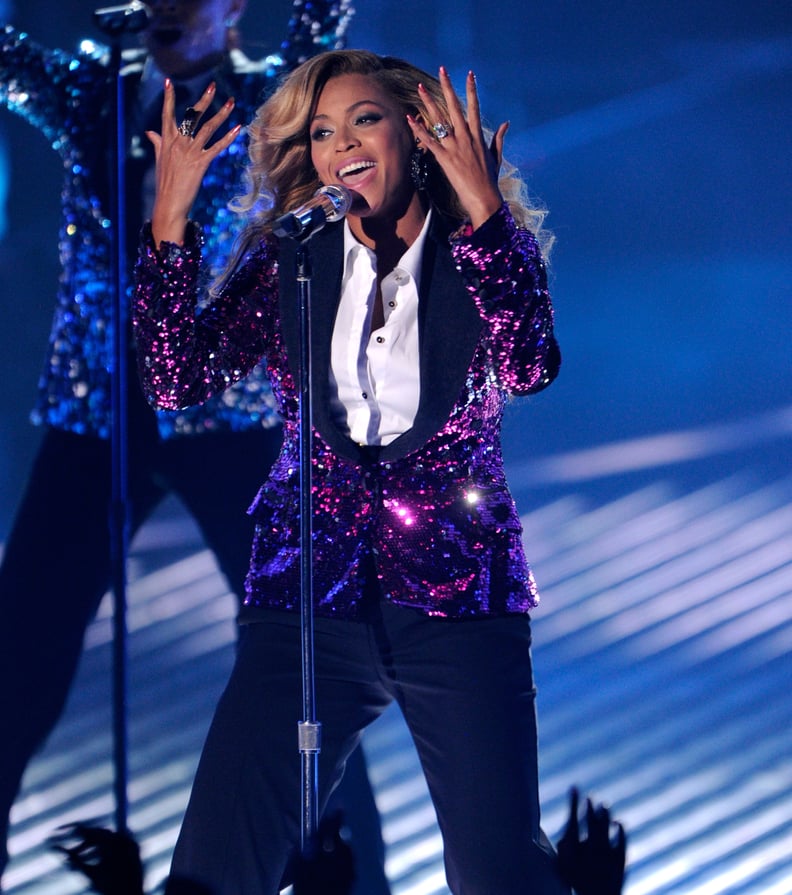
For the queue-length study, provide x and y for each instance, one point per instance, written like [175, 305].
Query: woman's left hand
[460, 149]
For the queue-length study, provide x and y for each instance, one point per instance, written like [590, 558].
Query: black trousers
[56, 567]
[467, 694]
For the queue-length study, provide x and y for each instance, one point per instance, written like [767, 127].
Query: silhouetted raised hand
[110, 860]
[595, 864]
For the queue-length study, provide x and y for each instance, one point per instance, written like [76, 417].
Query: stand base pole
[309, 736]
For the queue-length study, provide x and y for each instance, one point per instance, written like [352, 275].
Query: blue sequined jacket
[432, 508]
[67, 97]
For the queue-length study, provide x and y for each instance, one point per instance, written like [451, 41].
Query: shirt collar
[410, 261]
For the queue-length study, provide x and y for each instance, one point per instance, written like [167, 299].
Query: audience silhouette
[593, 864]
[591, 856]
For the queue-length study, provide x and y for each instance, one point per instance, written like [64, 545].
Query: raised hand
[183, 154]
[593, 865]
[460, 148]
[110, 860]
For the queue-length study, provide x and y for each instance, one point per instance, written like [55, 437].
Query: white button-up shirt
[375, 376]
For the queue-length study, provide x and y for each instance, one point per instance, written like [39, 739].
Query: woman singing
[429, 309]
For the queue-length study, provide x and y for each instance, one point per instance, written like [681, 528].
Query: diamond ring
[442, 130]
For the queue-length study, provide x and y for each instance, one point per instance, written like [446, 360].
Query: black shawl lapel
[450, 328]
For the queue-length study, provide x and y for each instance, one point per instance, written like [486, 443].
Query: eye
[368, 118]
[320, 133]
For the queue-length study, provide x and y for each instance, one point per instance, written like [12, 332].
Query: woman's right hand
[182, 161]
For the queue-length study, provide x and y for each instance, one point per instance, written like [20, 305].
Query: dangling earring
[419, 169]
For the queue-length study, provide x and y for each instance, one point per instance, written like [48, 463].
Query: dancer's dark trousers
[56, 566]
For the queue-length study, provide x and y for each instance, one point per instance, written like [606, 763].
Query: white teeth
[354, 166]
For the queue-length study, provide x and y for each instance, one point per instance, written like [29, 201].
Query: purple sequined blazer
[66, 96]
[432, 508]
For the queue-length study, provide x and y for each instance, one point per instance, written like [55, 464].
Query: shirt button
[391, 304]
[365, 396]
[380, 339]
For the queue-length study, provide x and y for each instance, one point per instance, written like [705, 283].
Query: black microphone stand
[115, 22]
[330, 204]
[309, 734]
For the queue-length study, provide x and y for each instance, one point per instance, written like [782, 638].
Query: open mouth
[355, 170]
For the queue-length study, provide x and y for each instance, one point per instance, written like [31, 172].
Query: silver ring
[442, 130]
[187, 127]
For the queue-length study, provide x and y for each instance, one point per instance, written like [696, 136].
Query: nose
[345, 139]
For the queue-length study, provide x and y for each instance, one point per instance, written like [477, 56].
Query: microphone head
[341, 199]
[327, 205]
[127, 18]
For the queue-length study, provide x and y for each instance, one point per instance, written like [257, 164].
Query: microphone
[327, 205]
[130, 17]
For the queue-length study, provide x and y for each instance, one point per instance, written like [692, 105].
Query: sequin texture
[66, 97]
[439, 522]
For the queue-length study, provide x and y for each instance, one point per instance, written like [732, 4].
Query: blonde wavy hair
[280, 175]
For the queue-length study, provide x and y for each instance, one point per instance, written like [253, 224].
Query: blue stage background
[653, 477]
